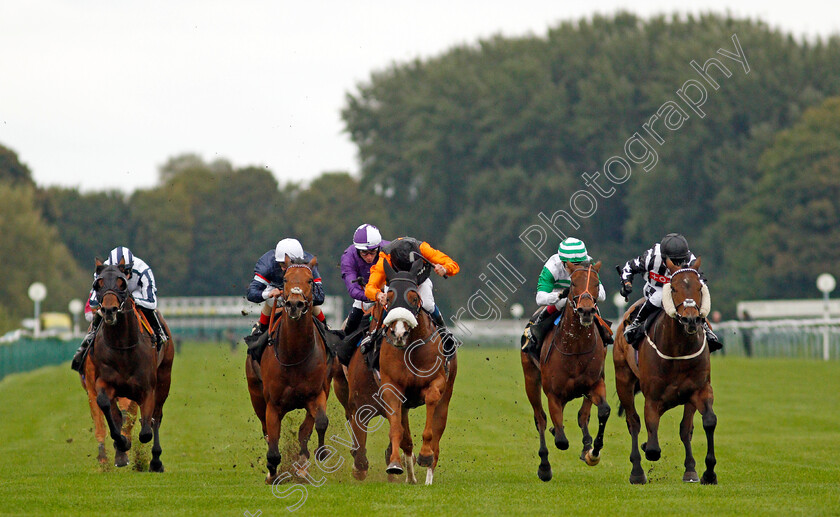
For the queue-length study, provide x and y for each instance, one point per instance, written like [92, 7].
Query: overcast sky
[99, 94]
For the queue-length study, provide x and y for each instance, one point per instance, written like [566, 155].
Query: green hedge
[29, 354]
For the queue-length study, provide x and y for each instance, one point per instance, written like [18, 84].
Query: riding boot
[538, 330]
[450, 342]
[635, 330]
[606, 334]
[354, 319]
[157, 327]
[76, 363]
[714, 341]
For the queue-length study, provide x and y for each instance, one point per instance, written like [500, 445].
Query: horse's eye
[100, 283]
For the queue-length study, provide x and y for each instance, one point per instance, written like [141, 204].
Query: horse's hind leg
[555, 410]
[625, 384]
[255, 390]
[164, 378]
[273, 418]
[686, 432]
[147, 409]
[98, 420]
[534, 393]
[703, 400]
[304, 433]
[317, 414]
[599, 398]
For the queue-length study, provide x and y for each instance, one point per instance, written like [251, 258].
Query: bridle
[575, 300]
[688, 302]
[298, 290]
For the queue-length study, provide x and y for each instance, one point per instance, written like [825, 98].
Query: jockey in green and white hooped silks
[552, 290]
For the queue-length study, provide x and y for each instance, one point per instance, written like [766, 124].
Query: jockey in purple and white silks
[141, 285]
[356, 262]
[652, 264]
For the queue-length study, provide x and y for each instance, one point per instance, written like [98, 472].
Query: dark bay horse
[673, 369]
[126, 406]
[294, 370]
[126, 362]
[571, 366]
[416, 369]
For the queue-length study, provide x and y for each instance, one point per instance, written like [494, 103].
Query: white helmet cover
[290, 247]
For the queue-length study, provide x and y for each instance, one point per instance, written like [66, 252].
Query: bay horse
[126, 362]
[126, 406]
[416, 368]
[358, 390]
[673, 369]
[294, 370]
[571, 365]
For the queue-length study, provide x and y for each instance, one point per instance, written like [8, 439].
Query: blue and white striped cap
[120, 253]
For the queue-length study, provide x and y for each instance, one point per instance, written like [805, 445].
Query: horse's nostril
[300, 305]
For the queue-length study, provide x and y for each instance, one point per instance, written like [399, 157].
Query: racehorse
[673, 369]
[294, 370]
[358, 390]
[571, 366]
[416, 369]
[126, 362]
[126, 406]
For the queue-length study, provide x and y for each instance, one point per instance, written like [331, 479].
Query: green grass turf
[777, 440]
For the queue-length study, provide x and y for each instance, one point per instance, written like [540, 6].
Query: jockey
[356, 262]
[400, 254]
[141, 285]
[267, 284]
[553, 290]
[652, 264]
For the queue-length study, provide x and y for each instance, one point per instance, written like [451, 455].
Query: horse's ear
[597, 266]
[122, 262]
[670, 265]
[313, 262]
[416, 266]
[287, 261]
[97, 262]
[389, 271]
[696, 264]
[569, 266]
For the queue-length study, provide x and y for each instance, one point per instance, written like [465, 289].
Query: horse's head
[298, 286]
[403, 303]
[583, 292]
[111, 288]
[686, 298]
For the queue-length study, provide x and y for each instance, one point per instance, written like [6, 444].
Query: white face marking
[399, 329]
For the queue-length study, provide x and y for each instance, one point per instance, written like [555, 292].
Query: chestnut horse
[416, 369]
[294, 370]
[126, 362]
[359, 391]
[571, 366]
[673, 369]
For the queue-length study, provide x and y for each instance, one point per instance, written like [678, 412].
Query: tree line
[468, 148]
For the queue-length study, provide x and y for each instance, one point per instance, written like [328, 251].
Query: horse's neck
[125, 333]
[670, 336]
[297, 337]
[578, 335]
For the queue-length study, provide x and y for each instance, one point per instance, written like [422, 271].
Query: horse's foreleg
[273, 417]
[686, 432]
[625, 383]
[653, 413]
[407, 446]
[431, 396]
[360, 461]
[396, 429]
[599, 398]
[704, 400]
[147, 409]
[534, 392]
[104, 399]
[555, 409]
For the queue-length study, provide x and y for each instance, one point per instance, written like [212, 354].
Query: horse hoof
[691, 477]
[360, 474]
[709, 478]
[123, 444]
[146, 435]
[120, 459]
[653, 454]
[155, 466]
[590, 459]
[425, 461]
[562, 444]
[640, 479]
[544, 473]
[394, 468]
